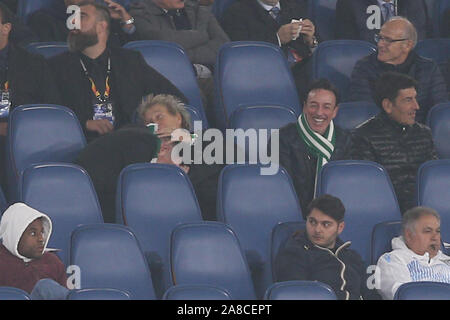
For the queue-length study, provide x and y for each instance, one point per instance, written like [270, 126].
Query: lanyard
[93, 86]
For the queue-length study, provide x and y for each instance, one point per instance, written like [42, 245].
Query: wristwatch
[129, 21]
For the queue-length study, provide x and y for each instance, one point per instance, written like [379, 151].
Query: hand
[117, 11]
[101, 126]
[308, 31]
[288, 32]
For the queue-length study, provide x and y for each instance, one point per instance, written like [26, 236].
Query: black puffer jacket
[341, 268]
[400, 149]
[301, 166]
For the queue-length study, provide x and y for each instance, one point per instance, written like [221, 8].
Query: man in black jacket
[317, 254]
[393, 138]
[300, 151]
[103, 85]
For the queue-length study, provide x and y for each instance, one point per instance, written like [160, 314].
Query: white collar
[268, 7]
[380, 2]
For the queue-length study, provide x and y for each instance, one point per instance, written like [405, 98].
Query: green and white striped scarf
[320, 146]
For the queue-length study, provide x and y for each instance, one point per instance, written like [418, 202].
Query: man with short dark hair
[393, 138]
[395, 53]
[416, 254]
[317, 253]
[103, 85]
[301, 151]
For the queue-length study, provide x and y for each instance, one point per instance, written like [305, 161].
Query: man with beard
[103, 85]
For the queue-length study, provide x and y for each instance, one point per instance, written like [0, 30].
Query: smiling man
[395, 44]
[301, 151]
[317, 253]
[393, 138]
[416, 255]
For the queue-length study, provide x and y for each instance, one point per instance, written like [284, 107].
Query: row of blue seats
[250, 203]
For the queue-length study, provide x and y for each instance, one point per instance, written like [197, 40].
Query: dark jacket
[351, 18]
[30, 79]
[300, 259]
[132, 79]
[400, 149]
[14, 272]
[301, 166]
[247, 20]
[431, 88]
[201, 43]
[105, 157]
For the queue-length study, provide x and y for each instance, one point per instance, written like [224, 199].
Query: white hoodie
[402, 265]
[14, 222]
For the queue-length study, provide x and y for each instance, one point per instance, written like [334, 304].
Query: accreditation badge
[5, 103]
[104, 110]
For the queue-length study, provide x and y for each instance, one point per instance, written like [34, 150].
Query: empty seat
[48, 49]
[439, 121]
[209, 253]
[40, 133]
[323, 14]
[170, 59]
[196, 292]
[440, 6]
[152, 199]
[433, 190]
[259, 117]
[9, 293]
[335, 60]
[366, 191]
[244, 78]
[253, 204]
[424, 290]
[352, 114]
[382, 235]
[98, 294]
[299, 290]
[109, 256]
[66, 194]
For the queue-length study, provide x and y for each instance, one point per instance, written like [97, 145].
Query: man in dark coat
[300, 151]
[396, 42]
[357, 21]
[317, 254]
[272, 21]
[103, 85]
[393, 138]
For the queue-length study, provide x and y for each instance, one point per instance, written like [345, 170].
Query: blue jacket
[431, 84]
[351, 18]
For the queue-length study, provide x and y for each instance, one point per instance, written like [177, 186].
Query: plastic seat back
[300, 290]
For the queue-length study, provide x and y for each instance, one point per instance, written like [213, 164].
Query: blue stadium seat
[209, 253]
[66, 194]
[47, 49]
[335, 60]
[40, 133]
[323, 15]
[109, 256]
[299, 290]
[26, 7]
[423, 290]
[438, 17]
[219, 7]
[9, 293]
[3, 202]
[280, 234]
[98, 294]
[152, 199]
[438, 120]
[366, 191]
[352, 114]
[382, 235]
[433, 190]
[259, 117]
[252, 204]
[196, 292]
[436, 49]
[171, 61]
[244, 78]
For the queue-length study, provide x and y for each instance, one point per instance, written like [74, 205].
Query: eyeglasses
[379, 38]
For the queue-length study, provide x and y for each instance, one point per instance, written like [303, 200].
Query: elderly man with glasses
[395, 44]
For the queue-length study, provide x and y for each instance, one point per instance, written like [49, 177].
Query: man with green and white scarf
[308, 144]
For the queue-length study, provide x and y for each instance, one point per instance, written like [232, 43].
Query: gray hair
[410, 32]
[173, 105]
[411, 216]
